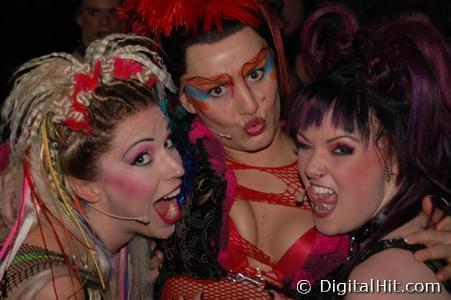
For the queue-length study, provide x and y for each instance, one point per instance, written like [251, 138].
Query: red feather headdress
[162, 17]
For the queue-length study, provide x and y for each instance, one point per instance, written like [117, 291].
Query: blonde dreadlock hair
[61, 114]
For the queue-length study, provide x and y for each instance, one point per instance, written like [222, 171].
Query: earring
[388, 174]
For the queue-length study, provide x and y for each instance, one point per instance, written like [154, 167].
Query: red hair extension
[278, 44]
[40, 202]
[46, 212]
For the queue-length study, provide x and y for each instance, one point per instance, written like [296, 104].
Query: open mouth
[167, 207]
[323, 200]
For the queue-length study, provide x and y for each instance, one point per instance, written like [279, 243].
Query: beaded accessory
[388, 174]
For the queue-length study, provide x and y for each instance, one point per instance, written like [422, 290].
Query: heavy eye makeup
[341, 149]
[203, 88]
[256, 75]
[259, 66]
[301, 144]
[140, 155]
[217, 91]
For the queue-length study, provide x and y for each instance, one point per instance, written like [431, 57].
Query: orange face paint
[201, 89]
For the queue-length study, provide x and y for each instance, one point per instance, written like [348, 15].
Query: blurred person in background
[95, 19]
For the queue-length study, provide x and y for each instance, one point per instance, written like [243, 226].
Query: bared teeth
[322, 190]
[172, 195]
[322, 199]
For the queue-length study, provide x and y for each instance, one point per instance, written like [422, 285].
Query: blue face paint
[269, 64]
[196, 94]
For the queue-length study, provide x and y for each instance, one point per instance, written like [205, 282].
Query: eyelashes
[217, 91]
[339, 149]
[301, 146]
[169, 144]
[142, 159]
[342, 149]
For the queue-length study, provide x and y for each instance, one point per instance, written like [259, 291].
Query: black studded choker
[364, 233]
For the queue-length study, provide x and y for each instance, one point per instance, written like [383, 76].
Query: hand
[437, 238]
[156, 261]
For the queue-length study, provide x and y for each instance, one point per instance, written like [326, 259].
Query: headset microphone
[223, 135]
[144, 220]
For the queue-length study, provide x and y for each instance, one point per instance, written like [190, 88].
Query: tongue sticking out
[168, 210]
[323, 201]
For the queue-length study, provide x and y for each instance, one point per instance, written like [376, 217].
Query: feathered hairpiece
[157, 18]
[163, 17]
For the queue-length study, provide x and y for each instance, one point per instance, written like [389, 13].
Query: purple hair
[327, 38]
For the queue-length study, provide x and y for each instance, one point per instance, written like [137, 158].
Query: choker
[364, 233]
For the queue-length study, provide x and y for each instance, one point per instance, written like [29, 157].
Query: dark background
[30, 28]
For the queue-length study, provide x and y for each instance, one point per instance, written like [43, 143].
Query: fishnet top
[31, 262]
[28, 262]
[239, 249]
[287, 174]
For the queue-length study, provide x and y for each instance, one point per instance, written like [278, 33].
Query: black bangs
[340, 93]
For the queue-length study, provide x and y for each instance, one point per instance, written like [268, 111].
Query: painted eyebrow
[200, 80]
[136, 143]
[261, 55]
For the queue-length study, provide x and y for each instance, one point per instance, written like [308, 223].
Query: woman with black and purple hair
[373, 140]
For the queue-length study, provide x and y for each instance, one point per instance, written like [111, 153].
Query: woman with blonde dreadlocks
[91, 166]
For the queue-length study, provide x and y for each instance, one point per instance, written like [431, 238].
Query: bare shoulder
[397, 275]
[64, 287]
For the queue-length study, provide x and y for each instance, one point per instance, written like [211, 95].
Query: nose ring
[319, 174]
